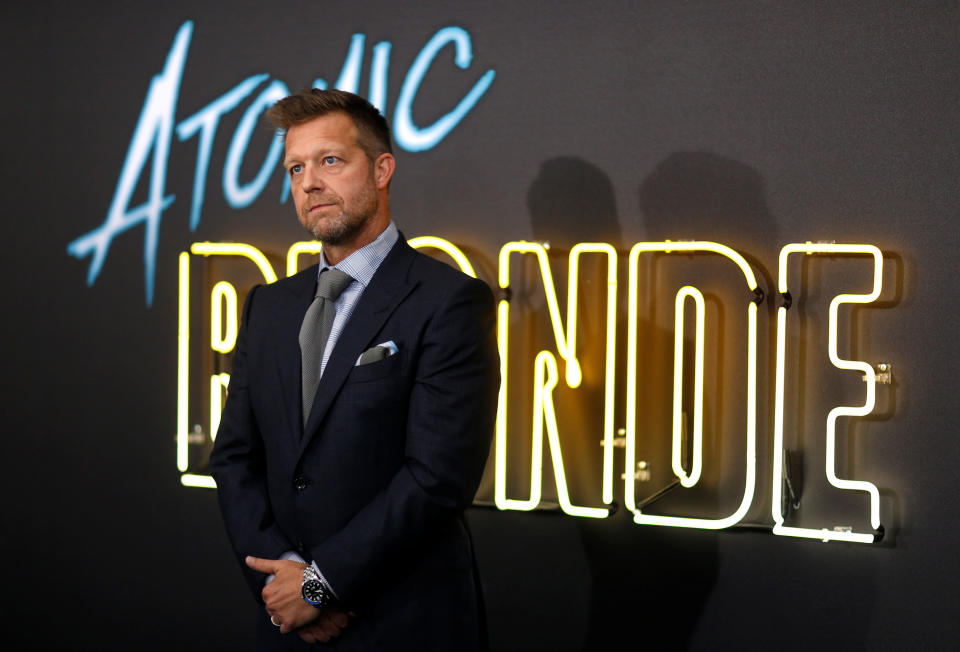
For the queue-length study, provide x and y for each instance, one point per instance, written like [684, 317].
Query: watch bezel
[313, 591]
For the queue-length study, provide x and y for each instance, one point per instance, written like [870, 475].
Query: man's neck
[335, 253]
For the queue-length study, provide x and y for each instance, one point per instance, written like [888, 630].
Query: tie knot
[332, 283]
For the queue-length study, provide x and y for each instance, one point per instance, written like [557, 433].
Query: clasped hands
[286, 605]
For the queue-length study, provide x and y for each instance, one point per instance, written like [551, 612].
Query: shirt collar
[363, 262]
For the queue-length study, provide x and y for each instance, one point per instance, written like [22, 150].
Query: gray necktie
[315, 331]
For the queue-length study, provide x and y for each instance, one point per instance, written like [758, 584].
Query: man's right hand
[326, 627]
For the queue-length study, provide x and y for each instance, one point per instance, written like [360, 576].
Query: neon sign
[153, 135]
[852, 365]
[750, 455]
[546, 376]
[689, 306]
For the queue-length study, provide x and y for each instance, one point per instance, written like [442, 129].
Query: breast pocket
[389, 366]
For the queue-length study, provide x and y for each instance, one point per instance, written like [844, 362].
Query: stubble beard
[342, 228]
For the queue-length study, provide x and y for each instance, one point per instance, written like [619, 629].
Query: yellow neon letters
[546, 373]
[222, 342]
[688, 480]
[852, 365]
[545, 370]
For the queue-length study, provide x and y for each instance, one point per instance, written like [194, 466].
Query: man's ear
[383, 169]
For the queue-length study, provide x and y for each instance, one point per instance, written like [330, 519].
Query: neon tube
[609, 393]
[851, 365]
[452, 250]
[201, 481]
[218, 383]
[631, 415]
[236, 249]
[223, 292]
[297, 248]
[183, 334]
[545, 363]
[448, 248]
[697, 461]
[543, 407]
[563, 340]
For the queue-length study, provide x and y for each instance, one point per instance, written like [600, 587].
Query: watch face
[313, 592]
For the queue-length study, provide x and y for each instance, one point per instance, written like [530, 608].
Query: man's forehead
[331, 128]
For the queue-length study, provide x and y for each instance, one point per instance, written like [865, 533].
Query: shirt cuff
[292, 555]
[289, 555]
[325, 582]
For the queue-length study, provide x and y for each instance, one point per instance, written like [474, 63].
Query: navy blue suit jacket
[373, 488]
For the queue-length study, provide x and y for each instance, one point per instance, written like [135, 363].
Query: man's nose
[312, 179]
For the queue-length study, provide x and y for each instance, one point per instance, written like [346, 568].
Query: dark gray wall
[748, 123]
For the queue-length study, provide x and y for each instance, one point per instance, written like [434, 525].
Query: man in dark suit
[345, 503]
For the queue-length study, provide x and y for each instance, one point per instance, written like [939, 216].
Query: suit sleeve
[238, 465]
[450, 423]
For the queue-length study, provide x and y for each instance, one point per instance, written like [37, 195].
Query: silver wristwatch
[314, 590]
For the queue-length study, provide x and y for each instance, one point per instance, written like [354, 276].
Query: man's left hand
[284, 601]
[327, 627]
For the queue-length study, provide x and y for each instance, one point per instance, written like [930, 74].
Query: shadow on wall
[703, 196]
[573, 201]
[590, 584]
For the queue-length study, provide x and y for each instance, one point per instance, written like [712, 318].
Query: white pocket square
[378, 352]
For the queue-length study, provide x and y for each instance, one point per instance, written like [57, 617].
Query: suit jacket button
[299, 483]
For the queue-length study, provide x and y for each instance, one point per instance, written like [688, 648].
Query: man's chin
[329, 236]
[336, 231]
[325, 233]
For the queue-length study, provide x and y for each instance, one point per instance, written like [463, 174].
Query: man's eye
[330, 160]
[295, 169]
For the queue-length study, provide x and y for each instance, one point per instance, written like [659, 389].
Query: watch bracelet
[310, 573]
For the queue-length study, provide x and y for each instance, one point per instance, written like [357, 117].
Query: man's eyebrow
[332, 150]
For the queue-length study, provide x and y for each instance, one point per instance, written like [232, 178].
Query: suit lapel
[388, 287]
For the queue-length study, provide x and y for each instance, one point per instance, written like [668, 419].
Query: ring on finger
[274, 622]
